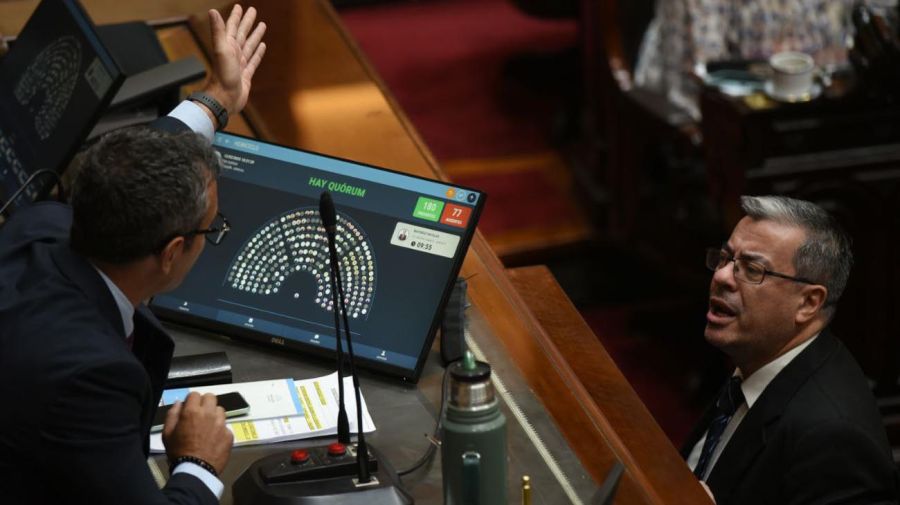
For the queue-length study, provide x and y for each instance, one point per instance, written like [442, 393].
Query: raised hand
[237, 51]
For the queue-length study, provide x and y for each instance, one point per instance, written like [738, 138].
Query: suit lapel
[153, 348]
[756, 428]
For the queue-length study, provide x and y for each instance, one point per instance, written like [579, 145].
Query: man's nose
[724, 276]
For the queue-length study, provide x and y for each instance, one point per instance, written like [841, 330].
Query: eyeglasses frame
[722, 254]
[207, 232]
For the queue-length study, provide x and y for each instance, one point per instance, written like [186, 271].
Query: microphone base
[264, 483]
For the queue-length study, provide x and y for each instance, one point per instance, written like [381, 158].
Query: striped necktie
[730, 398]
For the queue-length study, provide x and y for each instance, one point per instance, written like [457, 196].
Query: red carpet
[528, 197]
[444, 62]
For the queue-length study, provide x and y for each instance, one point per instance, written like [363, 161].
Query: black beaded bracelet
[197, 461]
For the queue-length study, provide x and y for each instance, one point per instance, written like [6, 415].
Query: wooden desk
[316, 91]
[631, 432]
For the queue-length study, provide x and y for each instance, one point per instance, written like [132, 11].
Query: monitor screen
[55, 82]
[400, 240]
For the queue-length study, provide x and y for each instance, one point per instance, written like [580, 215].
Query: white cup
[792, 73]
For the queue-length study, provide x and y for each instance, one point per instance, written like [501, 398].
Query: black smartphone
[234, 404]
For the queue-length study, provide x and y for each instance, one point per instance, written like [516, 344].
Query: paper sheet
[317, 417]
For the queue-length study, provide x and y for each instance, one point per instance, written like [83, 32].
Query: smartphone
[234, 404]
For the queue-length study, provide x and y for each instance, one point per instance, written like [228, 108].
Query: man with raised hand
[82, 360]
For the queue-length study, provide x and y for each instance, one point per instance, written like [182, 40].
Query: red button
[337, 449]
[299, 456]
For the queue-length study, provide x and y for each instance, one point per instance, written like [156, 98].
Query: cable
[432, 448]
[28, 183]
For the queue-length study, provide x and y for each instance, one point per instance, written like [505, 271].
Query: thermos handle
[471, 473]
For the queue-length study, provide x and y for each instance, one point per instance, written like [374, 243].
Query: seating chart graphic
[295, 244]
[47, 84]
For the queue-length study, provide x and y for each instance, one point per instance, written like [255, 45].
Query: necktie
[730, 398]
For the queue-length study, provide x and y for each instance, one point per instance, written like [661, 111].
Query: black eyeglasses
[216, 231]
[744, 269]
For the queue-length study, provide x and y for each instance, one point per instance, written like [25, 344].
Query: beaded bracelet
[197, 461]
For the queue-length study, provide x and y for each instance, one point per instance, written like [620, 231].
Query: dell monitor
[400, 239]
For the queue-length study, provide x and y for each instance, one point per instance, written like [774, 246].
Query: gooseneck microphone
[329, 222]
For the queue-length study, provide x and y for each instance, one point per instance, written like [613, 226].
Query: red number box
[456, 215]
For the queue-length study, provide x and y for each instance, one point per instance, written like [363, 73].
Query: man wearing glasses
[796, 423]
[82, 360]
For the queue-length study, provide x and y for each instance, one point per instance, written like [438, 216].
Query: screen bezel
[269, 340]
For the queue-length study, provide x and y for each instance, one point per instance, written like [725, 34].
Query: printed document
[282, 409]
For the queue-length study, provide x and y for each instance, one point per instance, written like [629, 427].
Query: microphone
[329, 222]
[362, 451]
[327, 214]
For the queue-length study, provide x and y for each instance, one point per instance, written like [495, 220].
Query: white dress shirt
[195, 118]
[752, 387]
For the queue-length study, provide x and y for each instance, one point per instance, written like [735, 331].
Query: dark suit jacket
[77, 402]
[814, 436]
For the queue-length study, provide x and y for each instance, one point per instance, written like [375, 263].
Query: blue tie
[730, 398]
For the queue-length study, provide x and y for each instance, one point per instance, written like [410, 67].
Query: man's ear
[170, 253]
[812, 302]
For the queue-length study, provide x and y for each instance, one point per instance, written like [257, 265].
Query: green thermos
[473, 444]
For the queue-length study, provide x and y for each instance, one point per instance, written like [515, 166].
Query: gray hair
[138, 188]
[826, 256]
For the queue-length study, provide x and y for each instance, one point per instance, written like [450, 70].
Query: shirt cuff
[195, 118]
[214, 484]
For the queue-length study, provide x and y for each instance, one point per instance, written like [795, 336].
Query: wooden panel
[656, 472]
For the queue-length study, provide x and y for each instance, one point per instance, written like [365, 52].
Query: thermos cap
[469, 370]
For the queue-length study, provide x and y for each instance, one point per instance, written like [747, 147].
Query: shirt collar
[126, 309]
[753, 386]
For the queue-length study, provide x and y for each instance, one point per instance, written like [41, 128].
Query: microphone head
[326, 211]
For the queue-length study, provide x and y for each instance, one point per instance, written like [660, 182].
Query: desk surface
[403, 414]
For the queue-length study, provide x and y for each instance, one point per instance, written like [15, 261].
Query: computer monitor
[401, 241]
[55, 81]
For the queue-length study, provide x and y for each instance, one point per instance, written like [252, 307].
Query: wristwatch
[213, 105]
